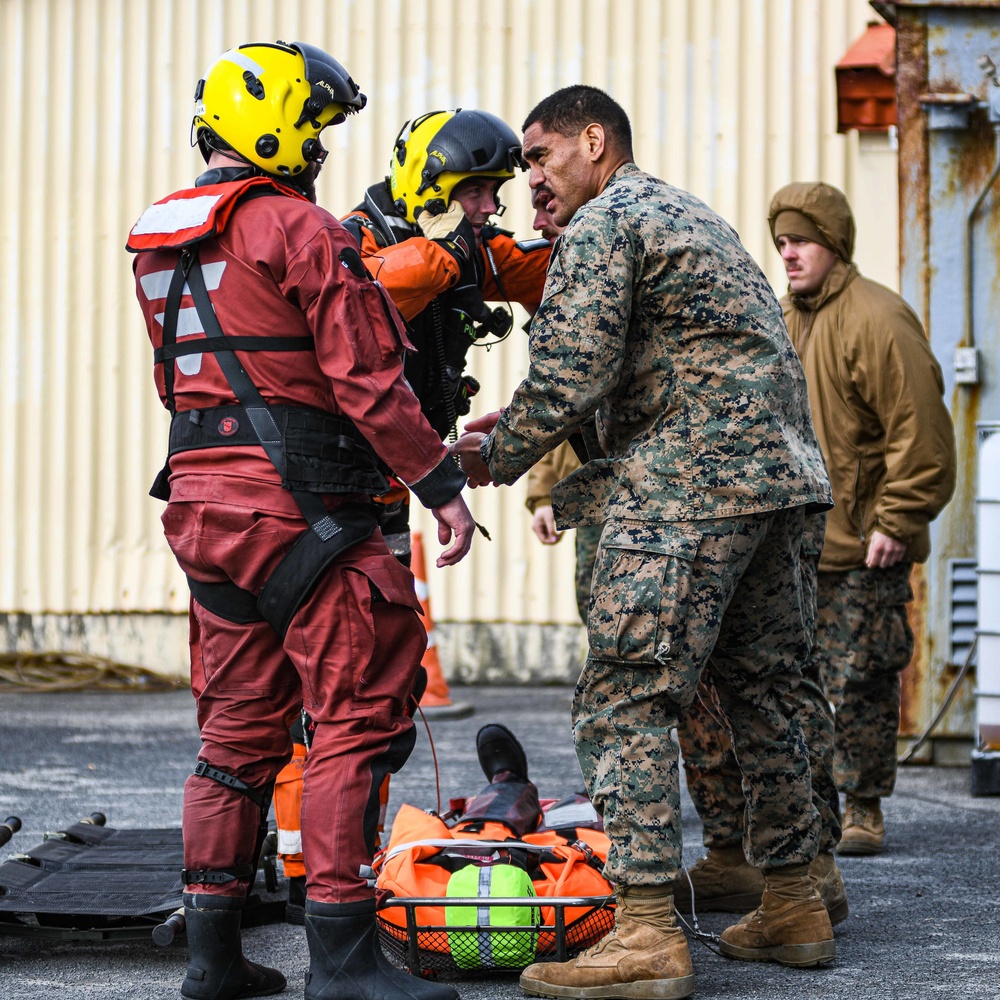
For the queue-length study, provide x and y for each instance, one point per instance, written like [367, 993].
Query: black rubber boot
[346, 961]
[499, 750]
[217, 969]
[295, 908]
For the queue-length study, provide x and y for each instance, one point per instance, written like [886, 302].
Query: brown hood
[814, 211]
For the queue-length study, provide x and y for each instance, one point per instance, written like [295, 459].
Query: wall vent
[964, 607]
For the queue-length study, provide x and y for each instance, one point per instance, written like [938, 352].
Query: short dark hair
[570, 110]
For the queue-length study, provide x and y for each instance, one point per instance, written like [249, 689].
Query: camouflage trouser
[588, 537]
[713, 776]
[864, 640]
[670, 600]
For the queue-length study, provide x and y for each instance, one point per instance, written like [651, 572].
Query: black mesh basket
[473, 946]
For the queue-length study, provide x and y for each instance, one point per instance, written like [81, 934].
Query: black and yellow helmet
[436, 151]
[269, 101]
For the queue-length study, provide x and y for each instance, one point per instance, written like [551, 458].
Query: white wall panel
[729, 98]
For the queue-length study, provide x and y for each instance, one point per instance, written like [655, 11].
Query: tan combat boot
[722, 880]
[791, 925]
[864, 827]
[829, 883]
[645, 955]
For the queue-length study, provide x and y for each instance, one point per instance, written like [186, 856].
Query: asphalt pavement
[924, 915]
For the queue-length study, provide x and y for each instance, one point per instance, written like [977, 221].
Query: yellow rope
[78, 672]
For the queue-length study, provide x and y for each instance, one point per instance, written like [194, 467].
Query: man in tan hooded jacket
[875, 392]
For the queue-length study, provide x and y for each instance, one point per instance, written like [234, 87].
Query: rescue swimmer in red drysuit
[280, 360]
[425, 233]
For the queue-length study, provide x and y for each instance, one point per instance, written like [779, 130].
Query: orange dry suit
[438, 297]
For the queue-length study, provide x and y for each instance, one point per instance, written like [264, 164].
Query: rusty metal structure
[948, 108]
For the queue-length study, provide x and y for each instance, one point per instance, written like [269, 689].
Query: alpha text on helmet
[436, 151]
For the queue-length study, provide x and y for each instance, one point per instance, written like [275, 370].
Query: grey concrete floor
[924, 915]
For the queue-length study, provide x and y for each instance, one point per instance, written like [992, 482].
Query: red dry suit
[276, 267]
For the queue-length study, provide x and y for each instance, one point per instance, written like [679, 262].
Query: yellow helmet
[269, 101]
[436, 151]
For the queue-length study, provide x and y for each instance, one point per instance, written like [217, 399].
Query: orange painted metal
[866, 84]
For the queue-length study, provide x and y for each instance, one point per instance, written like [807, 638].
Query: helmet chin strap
[230, 166]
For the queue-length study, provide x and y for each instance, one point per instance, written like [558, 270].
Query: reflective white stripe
[422, 590]
[484, 943]
[156, 284]
[188, 322]
[289, 841]
[486, 846]
[243, 61]
[173, 216]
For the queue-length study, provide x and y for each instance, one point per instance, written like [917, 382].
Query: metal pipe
[968, 340]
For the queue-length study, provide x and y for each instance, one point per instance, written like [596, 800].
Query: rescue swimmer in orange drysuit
[425, 234]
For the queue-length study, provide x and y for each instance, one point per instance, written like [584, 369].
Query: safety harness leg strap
[293, 578]
[261, 798]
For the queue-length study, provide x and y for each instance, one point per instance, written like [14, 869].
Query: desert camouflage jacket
[657, 322]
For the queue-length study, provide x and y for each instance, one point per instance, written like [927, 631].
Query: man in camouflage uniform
[657, 322]
[876, 393]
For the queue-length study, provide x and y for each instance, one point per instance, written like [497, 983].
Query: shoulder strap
[265, 427]
[387, 226]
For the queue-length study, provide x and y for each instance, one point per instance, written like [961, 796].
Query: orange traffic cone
[436, 700]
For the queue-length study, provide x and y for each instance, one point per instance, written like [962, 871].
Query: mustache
[541, 197]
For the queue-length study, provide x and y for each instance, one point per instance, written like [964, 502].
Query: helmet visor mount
[470, 143]
[330, 88]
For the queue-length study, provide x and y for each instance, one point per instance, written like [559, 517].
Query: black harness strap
[261, 798]
[227, 600]
[205, 770]
[295, 576]
[268, 434]
[171, 312]
[175, 350]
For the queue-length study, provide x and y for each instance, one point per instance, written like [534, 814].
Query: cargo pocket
[640, 594]
[892, 585]
[387, 638]
[893, 632]
[379, 326]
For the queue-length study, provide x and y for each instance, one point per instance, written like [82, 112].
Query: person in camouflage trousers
[660, 339]
[875, 389]
[724, 879]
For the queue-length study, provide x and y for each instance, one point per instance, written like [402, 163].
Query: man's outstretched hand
[466, 450]
[454, 518]
[485, 423]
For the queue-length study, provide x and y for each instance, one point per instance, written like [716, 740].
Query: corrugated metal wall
[729, 98]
